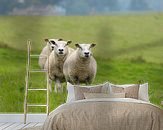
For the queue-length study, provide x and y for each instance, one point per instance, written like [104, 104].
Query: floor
[17, 126]
[13, 121]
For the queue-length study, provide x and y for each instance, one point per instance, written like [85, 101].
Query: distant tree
[7, 5]
[139, 5]
[85, 7]
[104, 5]
[50, 1]
[76, 7]
[41, 2]
[112, 5]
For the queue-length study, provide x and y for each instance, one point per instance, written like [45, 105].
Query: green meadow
[129, 49]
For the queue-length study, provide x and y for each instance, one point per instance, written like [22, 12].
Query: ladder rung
[36, 89]
[37, 71]
[34, 55]
[36, 105]
[38, 56]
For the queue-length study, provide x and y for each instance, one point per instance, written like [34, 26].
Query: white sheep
[46, 51]
[56, 61]
[80, 66]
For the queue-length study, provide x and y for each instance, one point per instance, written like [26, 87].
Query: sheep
[46, 51]
[56, 61]
[80, 66]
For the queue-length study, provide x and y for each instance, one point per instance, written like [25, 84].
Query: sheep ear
[77, 45]
[60, 39]
[69, 42]
[92, 45]
[46, 40]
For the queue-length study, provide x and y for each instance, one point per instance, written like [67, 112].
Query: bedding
[142, 92]
[101, 88]
[103, 95]
[70, 93]
[79, 91]
[105, 114]
[131, 91]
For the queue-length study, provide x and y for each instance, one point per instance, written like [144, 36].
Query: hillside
[124, 36]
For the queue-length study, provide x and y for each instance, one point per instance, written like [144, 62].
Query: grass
[129, 48]
[120, 34]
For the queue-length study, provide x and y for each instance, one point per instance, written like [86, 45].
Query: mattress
[105, 114]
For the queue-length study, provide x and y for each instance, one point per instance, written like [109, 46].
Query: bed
[134, 112]
[106, 114]
[87, 110]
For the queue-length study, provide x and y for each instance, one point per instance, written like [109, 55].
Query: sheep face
[84, 50]
[50, 43]
[60, 47]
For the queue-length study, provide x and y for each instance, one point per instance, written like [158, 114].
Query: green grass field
[129, 48]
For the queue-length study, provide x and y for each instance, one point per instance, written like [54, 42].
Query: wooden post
[47, 74]
[27, 80]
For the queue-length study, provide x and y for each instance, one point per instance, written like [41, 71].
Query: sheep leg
[58, 86]
[55, 87]
[50, 85]
[75, 80]
[78, 82]
[71, 79]
[88, 81]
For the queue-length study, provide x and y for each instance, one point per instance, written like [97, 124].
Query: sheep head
[84, 50]
[60, 47]
[49, 42]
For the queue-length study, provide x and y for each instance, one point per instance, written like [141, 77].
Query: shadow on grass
[138, 59]
[105, 48]
[144, 46]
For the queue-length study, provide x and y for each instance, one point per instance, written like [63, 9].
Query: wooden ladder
[27, 89]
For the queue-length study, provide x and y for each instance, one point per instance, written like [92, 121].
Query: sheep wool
[46, 52]
[80, 66]
[56, 60]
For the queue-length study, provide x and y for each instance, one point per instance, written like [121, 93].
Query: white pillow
[71, 93]
[143, 92]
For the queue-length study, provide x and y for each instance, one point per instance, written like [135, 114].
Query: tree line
[81, 7]
[8, 5]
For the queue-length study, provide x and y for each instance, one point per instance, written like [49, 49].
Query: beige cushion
[131, 91]
[80, 90]
[103, 95]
